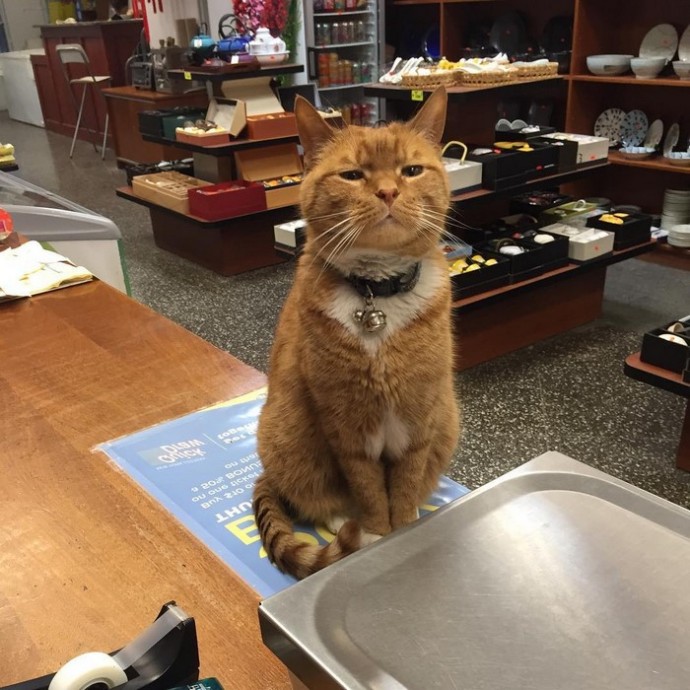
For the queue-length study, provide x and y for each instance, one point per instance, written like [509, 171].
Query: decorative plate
[654, 134]
[508, 34]
[634, 128]
[671, 138]
[660, 41]
[684, 45]
[608, 125]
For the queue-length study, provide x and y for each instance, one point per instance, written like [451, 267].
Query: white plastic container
[20, 86]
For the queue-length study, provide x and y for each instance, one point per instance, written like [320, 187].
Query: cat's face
[381, 190]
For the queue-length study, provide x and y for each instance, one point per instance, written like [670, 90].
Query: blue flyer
[202, 467]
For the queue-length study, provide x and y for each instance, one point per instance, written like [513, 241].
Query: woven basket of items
[536, 70]
[429, 80]
[486, 77]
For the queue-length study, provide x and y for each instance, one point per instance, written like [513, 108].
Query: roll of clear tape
[85, 670]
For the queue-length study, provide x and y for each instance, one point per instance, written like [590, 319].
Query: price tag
[417, 95]
[188, 76]
[235, 60]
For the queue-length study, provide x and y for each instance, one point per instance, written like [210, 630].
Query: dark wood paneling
[235, 247]
[46, 91]
[107, 44]
[124, 104]
[527, 317]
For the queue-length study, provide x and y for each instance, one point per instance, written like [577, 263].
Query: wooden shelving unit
[221, 149]
[657, 163]
[630, 80]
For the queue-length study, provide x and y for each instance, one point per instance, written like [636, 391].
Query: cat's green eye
[352, 175]
[412, 170]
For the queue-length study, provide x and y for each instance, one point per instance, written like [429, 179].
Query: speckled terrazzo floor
[567, 393]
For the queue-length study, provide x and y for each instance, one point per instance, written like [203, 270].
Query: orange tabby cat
[361, 418]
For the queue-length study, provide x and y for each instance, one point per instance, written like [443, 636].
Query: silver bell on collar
[371, 321]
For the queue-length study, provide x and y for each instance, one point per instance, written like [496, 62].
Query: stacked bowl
[679, 236]
[676, 211]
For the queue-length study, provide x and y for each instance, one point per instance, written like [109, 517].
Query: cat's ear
[312, 128]
[430, 121]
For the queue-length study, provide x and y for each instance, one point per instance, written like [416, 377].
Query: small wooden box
[272, 163]
[168, 189]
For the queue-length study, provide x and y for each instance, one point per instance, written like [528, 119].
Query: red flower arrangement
[252, 14]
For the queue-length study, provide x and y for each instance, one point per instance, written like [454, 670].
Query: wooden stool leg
[683, 457]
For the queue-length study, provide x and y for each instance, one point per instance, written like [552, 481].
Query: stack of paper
[30, 270]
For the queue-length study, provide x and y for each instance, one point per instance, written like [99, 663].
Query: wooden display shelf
[127, 192]
[553, 276]
[456, 94]
[669, 381]
[657, 163]
[551, 180]
[228, 247]
[668, 255]
[221, 149]
[216, 77]
[500, 321]
[632, 80]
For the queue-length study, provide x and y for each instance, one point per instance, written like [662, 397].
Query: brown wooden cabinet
[108, 45]
[124, 105]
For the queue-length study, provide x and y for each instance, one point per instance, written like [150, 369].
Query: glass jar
[335, 33]
[360, 31]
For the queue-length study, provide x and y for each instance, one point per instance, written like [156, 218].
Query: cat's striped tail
[289, 554]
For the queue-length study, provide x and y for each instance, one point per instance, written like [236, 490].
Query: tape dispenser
[165, 655]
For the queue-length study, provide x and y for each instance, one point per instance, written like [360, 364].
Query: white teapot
[264, 43]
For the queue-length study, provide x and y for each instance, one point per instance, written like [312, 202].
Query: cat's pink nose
[388, 195]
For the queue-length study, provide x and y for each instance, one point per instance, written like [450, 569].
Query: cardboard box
[635, 229]
[227, 200]
[266, 117]
[291, 234]
[567, 152]
[228, 113]
[504, 168]
[271, 163]
[168, 189]
[463, 176]
[589, 148]
[530, 264]
[664, 353]
[481, 280]
[585, 244]
[162, 123]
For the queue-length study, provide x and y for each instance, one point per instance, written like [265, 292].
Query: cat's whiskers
[345, 243]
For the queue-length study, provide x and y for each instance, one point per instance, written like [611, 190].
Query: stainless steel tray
[553, 577]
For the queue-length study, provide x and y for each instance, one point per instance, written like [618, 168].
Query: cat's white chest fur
[399, 309]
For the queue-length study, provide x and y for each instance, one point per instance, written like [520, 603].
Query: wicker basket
[429, 81]
[528, 71]
[489, 78]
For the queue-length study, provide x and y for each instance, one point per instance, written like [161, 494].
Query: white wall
[216, 9]
[162, 24]
[21, 19]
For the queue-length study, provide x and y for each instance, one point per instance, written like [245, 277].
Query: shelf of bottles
[343, 50]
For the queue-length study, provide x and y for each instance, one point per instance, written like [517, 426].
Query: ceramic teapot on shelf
[202, 45]
[264, 43]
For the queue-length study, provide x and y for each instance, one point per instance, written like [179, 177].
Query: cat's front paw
[400, 518]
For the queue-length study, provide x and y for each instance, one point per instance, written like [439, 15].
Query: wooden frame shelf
[217, 77]
[456, 94]
[551, 180]
[127, 192]
[221, 149]
[550, 277]
[631, 80]
[658, 163]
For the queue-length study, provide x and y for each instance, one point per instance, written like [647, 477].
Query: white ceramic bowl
[682, 69]
[608, 65]
[680, 158]
[636, 152]
[647, 68]
[272, 58]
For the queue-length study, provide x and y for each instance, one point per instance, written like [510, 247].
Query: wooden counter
[108, 45]
[124, 105]
[87, 557]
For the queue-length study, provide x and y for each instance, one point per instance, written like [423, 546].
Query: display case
[344, 40]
